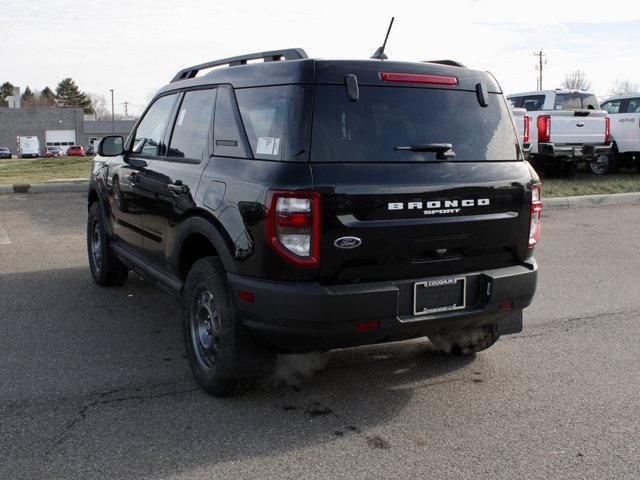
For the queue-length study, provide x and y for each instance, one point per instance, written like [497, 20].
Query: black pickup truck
[297, 204]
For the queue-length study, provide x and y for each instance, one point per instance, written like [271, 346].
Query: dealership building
[56, 126]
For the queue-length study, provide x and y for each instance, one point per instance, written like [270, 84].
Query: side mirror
[111, 146]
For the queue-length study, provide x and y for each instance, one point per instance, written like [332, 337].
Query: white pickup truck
[624, 111]
[523, 127]
[567, 126]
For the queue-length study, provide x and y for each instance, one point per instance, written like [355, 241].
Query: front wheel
[465, 342]
[107, 271]
[208, 327]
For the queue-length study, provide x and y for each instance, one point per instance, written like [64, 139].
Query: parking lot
[93, 382]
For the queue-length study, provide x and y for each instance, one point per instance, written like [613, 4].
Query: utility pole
[126, 114]
[541, 63]
[113, 118]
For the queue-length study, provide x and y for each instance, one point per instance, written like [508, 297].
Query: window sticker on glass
[181, 116]
[268, 146]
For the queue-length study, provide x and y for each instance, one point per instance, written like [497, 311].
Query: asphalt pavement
[94, 382]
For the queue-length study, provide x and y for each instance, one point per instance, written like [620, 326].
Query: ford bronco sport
[297, 205]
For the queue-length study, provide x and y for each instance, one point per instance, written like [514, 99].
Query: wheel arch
[202, 236]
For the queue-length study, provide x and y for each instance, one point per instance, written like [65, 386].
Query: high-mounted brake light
[607, 128]
[418, 78]
[527, 128]
[544, 128]
[293, 225]
[536, 213]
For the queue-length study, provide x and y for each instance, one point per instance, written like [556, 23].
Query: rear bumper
[572, 152]
[310, 316]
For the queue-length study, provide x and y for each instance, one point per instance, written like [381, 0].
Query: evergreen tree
[6, 90]
[46, 98]
[69, 95]
[28, 98]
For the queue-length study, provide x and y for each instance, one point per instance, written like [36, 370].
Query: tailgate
[578, 127]
[418, 220]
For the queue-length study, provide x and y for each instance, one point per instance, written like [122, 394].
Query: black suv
[296, 205]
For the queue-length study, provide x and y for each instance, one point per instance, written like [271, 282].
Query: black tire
[465, 342]
[615, 162]
[107, 271]
[600, 165]
[209, 327]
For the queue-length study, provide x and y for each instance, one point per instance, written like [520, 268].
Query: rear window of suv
[383, 118]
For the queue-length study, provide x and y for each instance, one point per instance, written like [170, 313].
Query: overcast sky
[136, 46]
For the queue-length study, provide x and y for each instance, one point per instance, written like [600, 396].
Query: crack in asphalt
[568, 323]
[81, 415]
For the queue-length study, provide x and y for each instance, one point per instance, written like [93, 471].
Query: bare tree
[624, 87]
[576, 80]
[99, 104]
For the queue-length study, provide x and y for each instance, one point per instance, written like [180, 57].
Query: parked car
[5, 152]
[567, 127]
[28, 146]
[90, 151]
[75, 151]
[53, 152]
[624, 111]
[321, 208]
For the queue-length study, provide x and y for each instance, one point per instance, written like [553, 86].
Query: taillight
[418, 78]
[527, 128]
[293, 225]
[544, 128]
[536, 213]
[607, 128]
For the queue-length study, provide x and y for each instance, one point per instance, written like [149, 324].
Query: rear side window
[633, 105]
[229, 140]
[148, 138]
[612, 106]
[193, 125]
[576, 101]
[529, 102]
[384, 118]
[276, 120]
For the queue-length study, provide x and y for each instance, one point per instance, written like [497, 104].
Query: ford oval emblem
[347, 242]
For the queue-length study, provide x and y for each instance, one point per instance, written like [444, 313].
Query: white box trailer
[28, 146]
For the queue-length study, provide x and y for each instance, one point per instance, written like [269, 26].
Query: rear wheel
[107, 271]
[465, 342]
[599, 165]
[208, 327]
[615, 162]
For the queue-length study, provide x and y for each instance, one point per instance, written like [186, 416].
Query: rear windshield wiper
[443, 151]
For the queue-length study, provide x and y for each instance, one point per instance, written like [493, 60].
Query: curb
[45, 187]
[605, 200]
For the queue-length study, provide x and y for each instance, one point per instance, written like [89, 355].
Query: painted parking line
[4, 238]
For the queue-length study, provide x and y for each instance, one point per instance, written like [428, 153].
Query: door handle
[178, 188]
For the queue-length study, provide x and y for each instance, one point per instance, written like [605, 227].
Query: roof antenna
[380, 55]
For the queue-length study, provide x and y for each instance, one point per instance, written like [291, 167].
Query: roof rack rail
[451, 63]
[272, 56]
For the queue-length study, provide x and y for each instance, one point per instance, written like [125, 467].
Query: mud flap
[509, 325]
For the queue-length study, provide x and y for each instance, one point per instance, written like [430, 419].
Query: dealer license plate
[439, 295]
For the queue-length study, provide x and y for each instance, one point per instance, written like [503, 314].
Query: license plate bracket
[439, 295]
